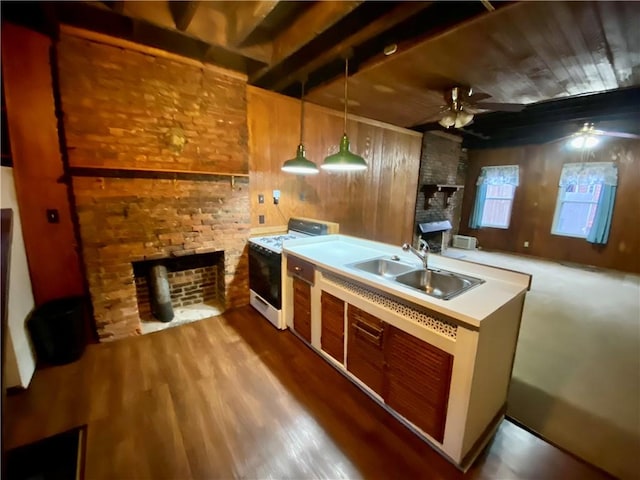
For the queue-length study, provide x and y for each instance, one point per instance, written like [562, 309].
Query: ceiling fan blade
[472, 108]
[478, 97]
[468, 131]
[559, 139]
[608, 133]
[501, 107]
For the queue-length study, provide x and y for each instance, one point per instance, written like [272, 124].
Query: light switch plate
[260, 198]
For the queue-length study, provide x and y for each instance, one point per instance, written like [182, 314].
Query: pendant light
[300, 165]
[344, 160]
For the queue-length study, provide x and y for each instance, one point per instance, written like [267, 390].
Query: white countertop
[333, 253]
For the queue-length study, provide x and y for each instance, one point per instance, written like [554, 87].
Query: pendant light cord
[346, 98]
[302, 113]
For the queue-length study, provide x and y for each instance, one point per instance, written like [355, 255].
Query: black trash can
[57, 330]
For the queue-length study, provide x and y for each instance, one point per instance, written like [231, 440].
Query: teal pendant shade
[300, 165]
[344, 160]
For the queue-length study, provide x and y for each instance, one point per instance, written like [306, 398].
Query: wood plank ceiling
[514, 52]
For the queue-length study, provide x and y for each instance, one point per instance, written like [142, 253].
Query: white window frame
[510, 209]
[560, 201]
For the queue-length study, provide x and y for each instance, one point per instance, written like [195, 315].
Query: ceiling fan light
[591, 141]
[344, 160]
[463, 119]
[577, 142]
[300, 165]
[448, 120]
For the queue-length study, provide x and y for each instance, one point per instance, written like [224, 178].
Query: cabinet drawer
[301, 269]
[366, 331]
[302, 308]
[365, 356]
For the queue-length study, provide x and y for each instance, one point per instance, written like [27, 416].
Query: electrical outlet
[260, 198]
[260, 219]
[526, 244]
[301, 196]
[276, 197]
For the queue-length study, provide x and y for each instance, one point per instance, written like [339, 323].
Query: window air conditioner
[462, 241]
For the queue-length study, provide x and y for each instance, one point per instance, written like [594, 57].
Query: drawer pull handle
[297, 269]
[375, 338]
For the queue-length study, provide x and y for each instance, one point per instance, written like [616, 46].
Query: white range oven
[265, 266]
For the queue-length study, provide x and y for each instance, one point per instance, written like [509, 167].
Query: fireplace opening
[196, 289]
[436, 234]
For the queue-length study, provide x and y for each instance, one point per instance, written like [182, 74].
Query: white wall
[20, 357]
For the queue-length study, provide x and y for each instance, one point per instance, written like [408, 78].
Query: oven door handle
[261, 301]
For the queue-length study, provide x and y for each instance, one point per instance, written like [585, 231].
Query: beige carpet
[576, 378]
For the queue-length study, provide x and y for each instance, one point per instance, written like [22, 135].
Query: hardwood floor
[231, 397]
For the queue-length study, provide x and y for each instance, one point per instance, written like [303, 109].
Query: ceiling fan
[463, 104]
[588, 137]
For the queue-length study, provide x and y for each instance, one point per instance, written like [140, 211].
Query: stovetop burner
[297, 229]
[274, 242]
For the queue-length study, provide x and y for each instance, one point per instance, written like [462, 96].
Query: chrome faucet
[422, 254]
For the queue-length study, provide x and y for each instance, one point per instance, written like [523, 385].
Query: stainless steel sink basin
[438, 283]
[383, 267]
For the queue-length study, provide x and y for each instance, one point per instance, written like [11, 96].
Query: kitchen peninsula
[442, 367]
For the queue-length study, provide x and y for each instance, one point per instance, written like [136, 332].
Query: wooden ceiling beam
[359, 18]
[309, 25]
[245, 19]
[205, 23]
[546, 133]
[399, 14]
[115, 5]
[183, 12]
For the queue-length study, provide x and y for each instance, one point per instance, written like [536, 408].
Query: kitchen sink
[438, 283]
[384, 267]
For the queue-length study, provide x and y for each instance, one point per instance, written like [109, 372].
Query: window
[586, 194]
[494, 197]
[576, 209]
[497, 206]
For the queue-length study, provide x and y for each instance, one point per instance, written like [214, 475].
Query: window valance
[502, 175]
[589, 174]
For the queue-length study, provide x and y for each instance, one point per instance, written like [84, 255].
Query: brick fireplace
[158, 155]
[125, 221]
[443, 162]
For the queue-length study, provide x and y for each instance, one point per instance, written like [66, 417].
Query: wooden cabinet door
[365, 356]
[332, 329]
[302, 308]
[417, 380]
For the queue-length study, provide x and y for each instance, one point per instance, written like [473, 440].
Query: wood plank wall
[377, 204]
[535, 201]
[54, 263]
